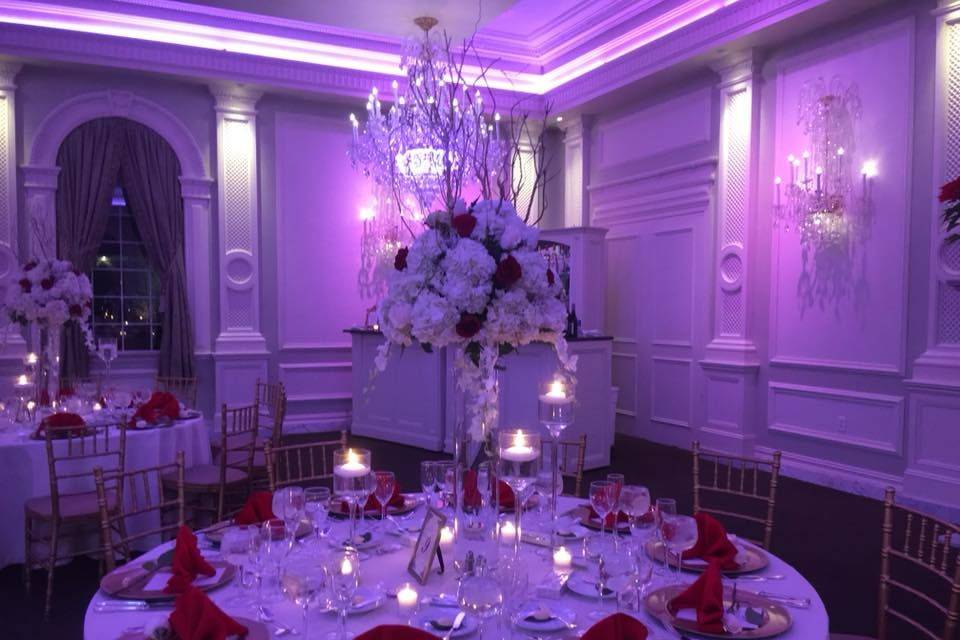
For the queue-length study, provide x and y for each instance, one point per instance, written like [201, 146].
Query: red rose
[508, 272]
[400, 262]
[469, 325]
[47, 283]
[76, 310]
[550, 277]
[30, 265]
[464, 224]
[950, 191]
[25, 285]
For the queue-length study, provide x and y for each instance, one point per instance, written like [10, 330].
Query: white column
[731, 364]
[240, 349]
[524, 171]
[15, 345]
[933, 470]
[576, 170]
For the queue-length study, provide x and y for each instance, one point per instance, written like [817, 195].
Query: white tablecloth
[390, 570]
[24, 473]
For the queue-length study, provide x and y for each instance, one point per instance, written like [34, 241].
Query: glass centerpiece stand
[556, 414]
[351, 468]
[519, 463]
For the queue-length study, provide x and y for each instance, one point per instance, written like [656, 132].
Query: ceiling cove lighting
[121, 25]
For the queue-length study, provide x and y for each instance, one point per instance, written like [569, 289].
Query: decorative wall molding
[868, 368]
[576, 169]
[9, 211]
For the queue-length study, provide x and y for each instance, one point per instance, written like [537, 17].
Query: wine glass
[665, 506]
[107, 352]
[368, 486]
[445, 476]
[288, 504]
[679, 534]
[514, 578]
[257, 565]
[343, 572]
[640, 570]
[303, 585]
[603, 500]
[428, 477]
[276, 545]
[480, 594]
[635, 502]
[316, 501]
[235, 548]
[386, 482]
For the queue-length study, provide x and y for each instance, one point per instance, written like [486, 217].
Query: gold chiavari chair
[272, 398]
[76, 385]
[185, 389]
[231, 474]
[144, 494]
[738, 488]
[572, 455]
[71, 508]
[919, 576]
[295, 464]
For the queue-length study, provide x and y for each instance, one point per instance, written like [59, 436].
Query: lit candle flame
[22, 380]
[557, 390]
[520, 439]
[352, 457]
[346, 567]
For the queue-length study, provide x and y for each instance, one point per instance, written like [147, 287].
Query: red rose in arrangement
[469, 325]
[508, 272]
[400, 262]
[550, 277]
[950, 191]
[464, 224]
[76, 310]
[25, 285]
[47, 283]
[30, 265]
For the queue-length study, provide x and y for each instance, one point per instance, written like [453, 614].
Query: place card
[428, 545]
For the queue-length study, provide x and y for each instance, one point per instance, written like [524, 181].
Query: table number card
[427, 546]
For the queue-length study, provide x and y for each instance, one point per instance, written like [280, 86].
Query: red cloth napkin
[396, 500]
[706, 596]
[258, 508]
[621, 517]
[62, 421]
[619, 626]
[196, 617]
[187, 563]
[160, 405]
[471, 493]
[395, 632]
[712, 543]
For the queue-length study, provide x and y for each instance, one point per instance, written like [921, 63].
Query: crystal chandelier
[822, 199]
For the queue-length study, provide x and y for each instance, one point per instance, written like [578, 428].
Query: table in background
[24, 472]
[391, 569]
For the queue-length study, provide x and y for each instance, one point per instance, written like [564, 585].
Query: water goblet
[303, 585]
[428, 475]
[386, 483]
[664, 506]
[235, 548]
[343, 573]
[316, 503]
[635, 502]
[603, 494]
[679, 534]
[288, 504]
[480, 594]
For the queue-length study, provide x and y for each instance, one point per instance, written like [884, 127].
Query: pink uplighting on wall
[191, 34]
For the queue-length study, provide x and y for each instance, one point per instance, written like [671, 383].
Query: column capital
[738, 67]
[575, 128]
[8, 73]
[235, 98]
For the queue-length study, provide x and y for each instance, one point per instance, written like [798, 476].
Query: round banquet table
[390, 569]
[24, 472]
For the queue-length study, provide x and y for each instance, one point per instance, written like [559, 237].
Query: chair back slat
[572, 454]
[739, 487]
[238, 445]
[71, 451]
[307, 458]
[272, 398]
[185, 389]
[145, 496]
[919, 574]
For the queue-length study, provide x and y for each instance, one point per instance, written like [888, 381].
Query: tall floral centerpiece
[45, 295]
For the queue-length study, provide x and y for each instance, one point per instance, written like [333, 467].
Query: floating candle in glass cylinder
[556, 406]
[30, 359]
[508, 532]
[350, 463]
[407, 598]
[562, 559]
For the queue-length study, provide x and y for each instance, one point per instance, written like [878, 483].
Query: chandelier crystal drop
[822, 198]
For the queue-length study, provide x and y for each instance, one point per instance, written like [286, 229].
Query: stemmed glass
[276, 545]
[479, 593]
[664, 507]
[428, 479]
[107, 351]
[289, 504]
[635, 502]
[679, 534]
[235, 548]
[603, 499]
[343, 571]
[303, 585]
[316, 501]
[257, 565]
[519, 461]
[617, 479]
[386, 482]
[445, 476]
[556, 414]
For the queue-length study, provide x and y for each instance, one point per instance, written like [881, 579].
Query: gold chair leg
[27, 553]
[51, 565]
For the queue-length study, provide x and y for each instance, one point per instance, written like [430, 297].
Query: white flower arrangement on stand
[474, 280]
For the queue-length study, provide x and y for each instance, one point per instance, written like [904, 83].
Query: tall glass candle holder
[519, 462]
[351, 467]
[556, 414]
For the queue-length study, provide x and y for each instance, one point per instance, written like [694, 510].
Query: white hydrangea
[434, 319]
[467, 276]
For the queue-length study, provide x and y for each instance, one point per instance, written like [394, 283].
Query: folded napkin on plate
[160, 405]
[372, 504]
[395, 632]
[187, 562]
[619, 626]
[258, 508]
[472, 497]
[62, 422]
[706, 596]
[621, 517]
[712, 543]
[196, 617]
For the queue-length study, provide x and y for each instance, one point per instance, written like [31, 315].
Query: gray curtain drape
[89, 162]
[150, 174]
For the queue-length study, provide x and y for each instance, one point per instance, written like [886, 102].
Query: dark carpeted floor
[833, 538]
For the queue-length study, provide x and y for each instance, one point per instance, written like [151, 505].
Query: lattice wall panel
[948, 321]
[238, 150]
[5, 153]
[731, 314]
[736, 136]
[948, 294]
